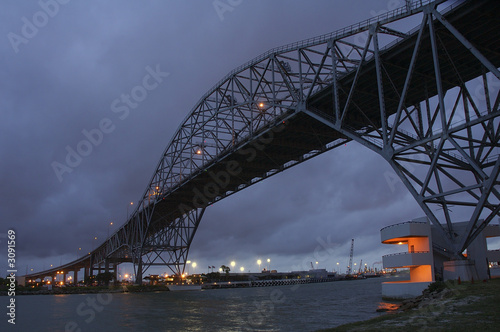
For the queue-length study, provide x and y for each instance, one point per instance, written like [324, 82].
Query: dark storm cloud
[64, 81]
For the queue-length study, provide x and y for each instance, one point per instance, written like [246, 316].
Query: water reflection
[285, 308]
[388, 307]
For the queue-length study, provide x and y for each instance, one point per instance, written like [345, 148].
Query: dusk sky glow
[69, 77]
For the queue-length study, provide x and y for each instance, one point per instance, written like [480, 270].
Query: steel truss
[447, 156]
[444, 148]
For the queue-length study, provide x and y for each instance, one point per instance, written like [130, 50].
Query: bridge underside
[478, 23]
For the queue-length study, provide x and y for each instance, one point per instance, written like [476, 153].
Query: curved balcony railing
[407, 259]
[407, 253]
[403, 223]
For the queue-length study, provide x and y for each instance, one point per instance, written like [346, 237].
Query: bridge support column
[115, 273]
[75, 277]
[91, 266]
[179, 243]
[106, 270]
[85, 272]
[138, 277]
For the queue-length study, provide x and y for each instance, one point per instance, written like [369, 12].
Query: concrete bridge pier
[106, 270]
[115, 273]
[86, 272]
[138, 277]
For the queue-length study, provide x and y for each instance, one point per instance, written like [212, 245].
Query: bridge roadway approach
[426, 100]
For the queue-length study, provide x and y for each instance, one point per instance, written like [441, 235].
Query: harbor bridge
[426, 100]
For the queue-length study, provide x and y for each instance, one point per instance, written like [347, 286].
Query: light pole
[110, 224]
[131, 203]
[188, 262]
[242, 269]
[269, 264]
[233, 264]
[95, 238]
[338, 268]
[259, 262]
[194, 266]
[78, 252]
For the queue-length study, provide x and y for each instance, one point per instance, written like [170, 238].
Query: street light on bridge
[95, 238]
[110, 224]
[131, 203]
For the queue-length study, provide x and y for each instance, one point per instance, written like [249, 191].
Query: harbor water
[307, 307]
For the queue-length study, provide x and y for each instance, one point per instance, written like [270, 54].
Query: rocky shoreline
[449, 306]
[426, 299]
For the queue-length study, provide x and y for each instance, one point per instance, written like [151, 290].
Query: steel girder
[437, 132]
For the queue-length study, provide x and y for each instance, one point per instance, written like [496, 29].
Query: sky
[61, 78]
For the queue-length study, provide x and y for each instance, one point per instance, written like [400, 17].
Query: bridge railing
[402, 223]
[340, 33]
[415, 29]
[406, 253]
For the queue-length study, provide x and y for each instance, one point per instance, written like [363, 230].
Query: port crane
[349, 267]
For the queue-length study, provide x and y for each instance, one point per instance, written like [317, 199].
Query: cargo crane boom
[349, 267]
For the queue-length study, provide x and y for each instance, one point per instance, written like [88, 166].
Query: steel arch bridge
[426, 100]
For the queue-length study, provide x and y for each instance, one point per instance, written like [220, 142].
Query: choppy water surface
[284, 308]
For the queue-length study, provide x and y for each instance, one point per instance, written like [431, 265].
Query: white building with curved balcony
[415, 238]
[424, 253]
